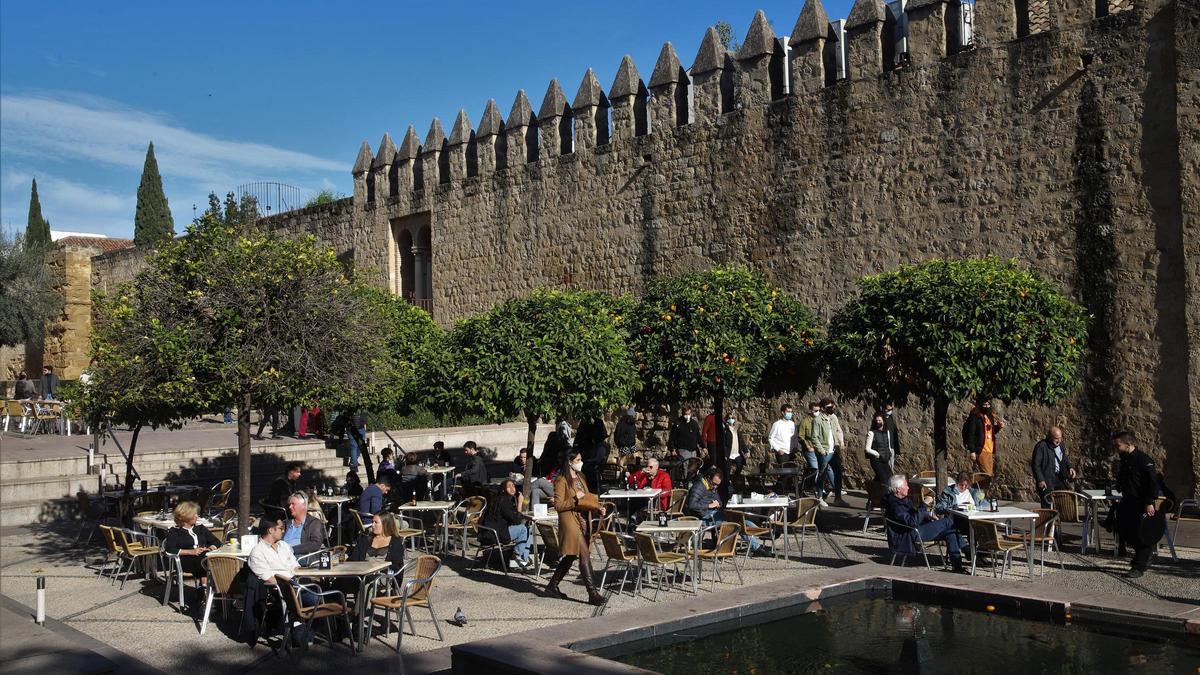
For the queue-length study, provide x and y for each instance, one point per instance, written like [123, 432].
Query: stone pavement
[132, 622]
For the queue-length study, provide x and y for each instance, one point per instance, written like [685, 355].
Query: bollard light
[41, 601]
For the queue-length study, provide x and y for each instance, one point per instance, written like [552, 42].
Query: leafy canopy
[955, 329]
[556, 351]
[27, 296]
[411, 340]
[724, 332]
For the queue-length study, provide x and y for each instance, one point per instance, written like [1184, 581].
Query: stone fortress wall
[1060, 137]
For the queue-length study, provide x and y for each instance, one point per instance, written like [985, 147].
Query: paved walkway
[133, 622]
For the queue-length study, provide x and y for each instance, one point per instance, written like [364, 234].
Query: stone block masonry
[1057, 137]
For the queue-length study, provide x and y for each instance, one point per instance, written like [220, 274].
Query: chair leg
[436, 624]
[208, 602]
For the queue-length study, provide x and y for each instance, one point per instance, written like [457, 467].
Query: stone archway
[412, 277]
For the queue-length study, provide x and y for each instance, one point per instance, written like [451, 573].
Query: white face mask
[787, 415]
[730, 421]
[687, 418]
[577, 466]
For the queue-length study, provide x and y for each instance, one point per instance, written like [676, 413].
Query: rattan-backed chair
[224, 584]
[876, 491]
[981, 480]
[493, 545]
[652, 557]
[20, 411]
[297, 611]
[131, 551]
[743, 520]
[218, 496]
[416, 592]
[617, 555]
[464, 518]
[988, 539]
[548, 548]
[1045, 535]
[678, 498]
[174, 574]
[725, 550]
[798, 528]
[113, 560]
[1189, 510]
[1072, 507]
[610, 473]
[91, 513]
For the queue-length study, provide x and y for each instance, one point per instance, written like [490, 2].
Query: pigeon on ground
[459, 617]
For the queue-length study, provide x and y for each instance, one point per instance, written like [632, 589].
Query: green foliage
[725, 32]
[233, 213]
[955, 329]
[152, 223]
[37, 228]
[27, 297]
[324, 197]
[722, 332]
[420, 417]
[412, 340]
[554, 352]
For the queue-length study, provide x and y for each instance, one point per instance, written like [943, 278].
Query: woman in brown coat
[572, 501]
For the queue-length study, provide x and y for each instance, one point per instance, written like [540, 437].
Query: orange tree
[554, 352]
[721, 333]
[226, 315]
[946, 330]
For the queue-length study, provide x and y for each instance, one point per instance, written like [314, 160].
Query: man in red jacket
[652, 477]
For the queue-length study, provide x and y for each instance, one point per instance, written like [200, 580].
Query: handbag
[588, 502]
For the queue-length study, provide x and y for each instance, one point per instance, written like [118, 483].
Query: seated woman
[959, 494]
[315, 510]
[503, 515]
[190, 540]
[414, 479]
[383, 541]
[385, 460]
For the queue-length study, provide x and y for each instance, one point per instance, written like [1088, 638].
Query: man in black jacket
[475, 474]
[1050, 466]
[684, 438]
[1139, 523]
[282, 488]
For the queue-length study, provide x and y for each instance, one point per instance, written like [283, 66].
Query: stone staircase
[42, 490]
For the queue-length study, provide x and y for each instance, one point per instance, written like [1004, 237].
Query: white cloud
[62, 126]
[66, 204]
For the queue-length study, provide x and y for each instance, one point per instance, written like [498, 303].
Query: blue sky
[285, 91]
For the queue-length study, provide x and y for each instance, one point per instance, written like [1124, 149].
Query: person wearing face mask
[684, 438]
[979, 435]
[828, 438]
[735, 443]
[574, 504]
[782, 433]
[879, 448]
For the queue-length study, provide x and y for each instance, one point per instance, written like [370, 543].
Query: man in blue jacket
[900, 509]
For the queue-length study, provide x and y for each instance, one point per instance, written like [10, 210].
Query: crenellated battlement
[875, 39]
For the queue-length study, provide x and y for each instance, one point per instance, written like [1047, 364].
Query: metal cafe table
[767, 503]
[1006, 514]
[336, 500]
[644, 493]
[675, 527]
[444, 507]
[362, 570]
[1094, 497]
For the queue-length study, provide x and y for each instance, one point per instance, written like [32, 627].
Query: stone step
[51, 487]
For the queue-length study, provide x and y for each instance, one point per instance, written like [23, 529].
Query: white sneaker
[513, 564]
[822, 503]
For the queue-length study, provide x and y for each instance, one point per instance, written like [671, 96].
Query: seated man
[303, 534]
[414, 480]
[652, 477]
[271, 555]
[283, 487]
[900, 509]
[958, 494]
[475, 474]
[374, 497]
[704, 501]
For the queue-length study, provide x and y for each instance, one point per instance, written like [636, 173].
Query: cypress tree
[37, 231]
[152, 223]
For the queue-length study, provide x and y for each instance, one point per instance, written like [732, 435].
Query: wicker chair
[218, 496]
[91, 512]
[806, 519]
[981, 480]
[17, 410]
[617, 555]
[548, 548]
[306, 615]
[1072, 507]
[678, 498]
[1045, 536]
[742, 519]
[876, 491]
[989, 539]
[651, 557]
[725, 550]
[416, 592]
[1189, 510]
[895, 528]
[131, 551]
[224, 584]
[465, 518]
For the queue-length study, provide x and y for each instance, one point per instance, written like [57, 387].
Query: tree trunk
[243, 432]
[941, 407]
[722, 458]
[532, 420]
[126, 510]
